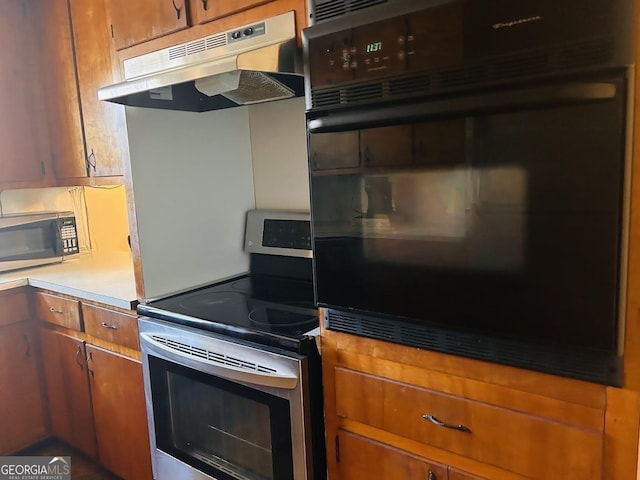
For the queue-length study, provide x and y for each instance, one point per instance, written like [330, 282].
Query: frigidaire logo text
[512, 23]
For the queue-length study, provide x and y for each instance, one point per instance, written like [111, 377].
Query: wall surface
[279, 153]
[193, 184]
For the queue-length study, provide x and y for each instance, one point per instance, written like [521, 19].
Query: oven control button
[401, 55]
[402, 40]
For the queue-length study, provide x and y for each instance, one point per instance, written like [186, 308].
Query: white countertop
[104, 277]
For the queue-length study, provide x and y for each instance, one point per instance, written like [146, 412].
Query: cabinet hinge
[337, 449]
[43, 169]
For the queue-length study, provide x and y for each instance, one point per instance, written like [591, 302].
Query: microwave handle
[565, 93]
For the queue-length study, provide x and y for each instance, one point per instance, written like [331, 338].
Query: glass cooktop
[264, 309]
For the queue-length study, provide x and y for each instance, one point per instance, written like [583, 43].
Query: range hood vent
[254, 63]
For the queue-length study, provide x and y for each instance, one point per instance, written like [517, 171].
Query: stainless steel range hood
[254, 63]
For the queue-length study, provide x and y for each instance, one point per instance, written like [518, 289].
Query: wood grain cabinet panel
[21, 404]
[104, 123]
[518, 442]
[14, 307]
[119, 413]
[334, 150]
[111, 326]
[136, 22]
[386, 146]
[24, 141]
[360, 457]
[455, 474]
[206, 10]
[67, 387]
[58, 310]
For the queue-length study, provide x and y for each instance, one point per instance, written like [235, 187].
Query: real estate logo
[35, 468]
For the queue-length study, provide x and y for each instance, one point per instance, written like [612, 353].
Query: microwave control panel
[68, 235]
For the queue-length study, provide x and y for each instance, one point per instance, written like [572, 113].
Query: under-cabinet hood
[255, 63]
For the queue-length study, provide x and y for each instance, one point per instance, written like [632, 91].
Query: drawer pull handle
[435, 421]
[106, 325]
[53, 310]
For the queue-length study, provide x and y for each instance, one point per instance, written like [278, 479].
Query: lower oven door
[221, 409]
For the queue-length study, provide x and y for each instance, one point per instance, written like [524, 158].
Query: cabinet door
[455, 474]
[120, 413]
[386, 146]
[334, 150]
[360, 457]
[207, 10]
[21, 406]
[67, 388]
[104, 122]
[62, 101]
[136, 22]
[24, 140]
[440, 143]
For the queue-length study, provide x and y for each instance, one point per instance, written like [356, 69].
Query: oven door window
[224, 429]
[490, 214]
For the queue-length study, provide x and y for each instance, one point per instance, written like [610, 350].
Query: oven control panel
[278, 233]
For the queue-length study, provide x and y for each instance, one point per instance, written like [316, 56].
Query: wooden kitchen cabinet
[67, 388]
[24, 141]
[104, 123]
[360, 457]
[504, 423]
[207, 10]
[131, 23]
[21, 402]
[119, 413]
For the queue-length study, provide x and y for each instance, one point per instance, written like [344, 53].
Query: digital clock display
[374, 47]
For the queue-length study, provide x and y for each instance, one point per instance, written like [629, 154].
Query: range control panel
[275, 232]
[287, 234]
[247, 32]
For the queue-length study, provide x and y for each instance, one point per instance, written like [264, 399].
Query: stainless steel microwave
[37, 238]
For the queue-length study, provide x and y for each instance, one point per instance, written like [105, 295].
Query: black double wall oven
[467, 163]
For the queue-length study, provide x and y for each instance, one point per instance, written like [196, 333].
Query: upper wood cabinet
[132, 22]
[207, 10]
[24, 142]
[62, 101]
[104, 123]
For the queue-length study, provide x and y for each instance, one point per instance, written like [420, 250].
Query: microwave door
[30, 244]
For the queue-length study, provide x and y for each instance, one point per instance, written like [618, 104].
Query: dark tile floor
[82, 468]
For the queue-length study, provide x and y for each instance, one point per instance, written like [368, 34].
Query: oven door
[223, 410]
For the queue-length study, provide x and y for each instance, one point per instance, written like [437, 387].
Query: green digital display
[374, 47]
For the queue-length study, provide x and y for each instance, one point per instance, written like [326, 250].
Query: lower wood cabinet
[119, 413]
[68, 391]
[360, 457]
[22, 420]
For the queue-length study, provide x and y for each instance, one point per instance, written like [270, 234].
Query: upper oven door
[222, 410]
[504, 204]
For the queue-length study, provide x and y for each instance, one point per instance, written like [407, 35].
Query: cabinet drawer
[58, 310]
[111, 326]
[523, 443]
[361, 457]
[14, 308]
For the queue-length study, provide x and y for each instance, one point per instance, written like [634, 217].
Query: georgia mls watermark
[35, 468]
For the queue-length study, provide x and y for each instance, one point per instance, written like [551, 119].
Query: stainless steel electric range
[232, 371]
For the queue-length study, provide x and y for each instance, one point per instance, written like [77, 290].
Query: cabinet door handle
[432, 476]
[435, 421]
[204, 4]
[53, 310]
[90, 358]
[91, 163]
[177, 9]
[27, 345]
[106, 325]
[78, 359]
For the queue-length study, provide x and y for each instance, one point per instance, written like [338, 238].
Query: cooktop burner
[265, 309]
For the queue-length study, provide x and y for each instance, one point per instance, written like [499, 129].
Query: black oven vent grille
[336, 8]
[581, 365]
[507, 68]
[215, 357]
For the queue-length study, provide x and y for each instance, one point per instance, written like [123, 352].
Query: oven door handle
[194, 357]
[565, 93]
